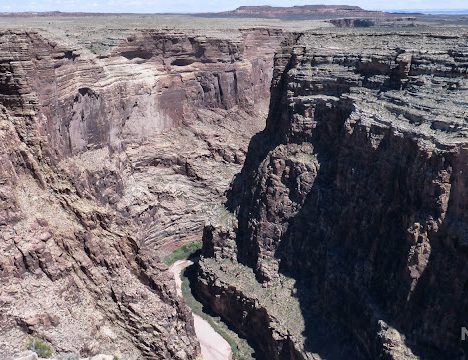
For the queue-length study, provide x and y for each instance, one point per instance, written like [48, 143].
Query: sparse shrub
[184, 252]
[41, 348]
[116, 357]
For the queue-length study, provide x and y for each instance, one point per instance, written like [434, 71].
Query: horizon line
[419, 10]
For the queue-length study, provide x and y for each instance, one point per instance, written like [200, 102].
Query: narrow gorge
[111, 160]
[324, 169]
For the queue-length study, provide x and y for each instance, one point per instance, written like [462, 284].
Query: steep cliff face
[150, 82]
[351, 203]
[99, 173]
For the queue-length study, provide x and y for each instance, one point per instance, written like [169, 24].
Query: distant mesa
[270, 12]
[55, 14]
[300, 12]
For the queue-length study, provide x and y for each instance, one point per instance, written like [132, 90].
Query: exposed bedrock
[106, 160]
[352, 22]
[351, 224]
[149, 82]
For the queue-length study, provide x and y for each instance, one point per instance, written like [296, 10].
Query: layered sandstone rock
[107, 163]
[351, 222]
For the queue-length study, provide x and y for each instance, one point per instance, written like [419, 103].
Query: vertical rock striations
[351, 229]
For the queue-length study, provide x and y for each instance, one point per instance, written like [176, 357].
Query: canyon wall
[105, 159]
[151, 81]
[350, 229]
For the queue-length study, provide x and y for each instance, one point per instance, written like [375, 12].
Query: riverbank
[213, 346]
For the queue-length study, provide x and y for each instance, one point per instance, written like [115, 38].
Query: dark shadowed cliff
[350, 229]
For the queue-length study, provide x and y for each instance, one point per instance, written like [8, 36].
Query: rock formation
[301, 12]
[109, 161]
[348, 232]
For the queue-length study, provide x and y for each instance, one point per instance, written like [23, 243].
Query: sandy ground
[213, 345]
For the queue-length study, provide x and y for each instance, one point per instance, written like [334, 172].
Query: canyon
[110, 161]
[324, 168]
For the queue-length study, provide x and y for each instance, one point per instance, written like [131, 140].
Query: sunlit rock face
[109, 161]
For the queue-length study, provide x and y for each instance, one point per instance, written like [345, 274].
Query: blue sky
[151, 6]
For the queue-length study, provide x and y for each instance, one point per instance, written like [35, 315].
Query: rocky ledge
[348, 225]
